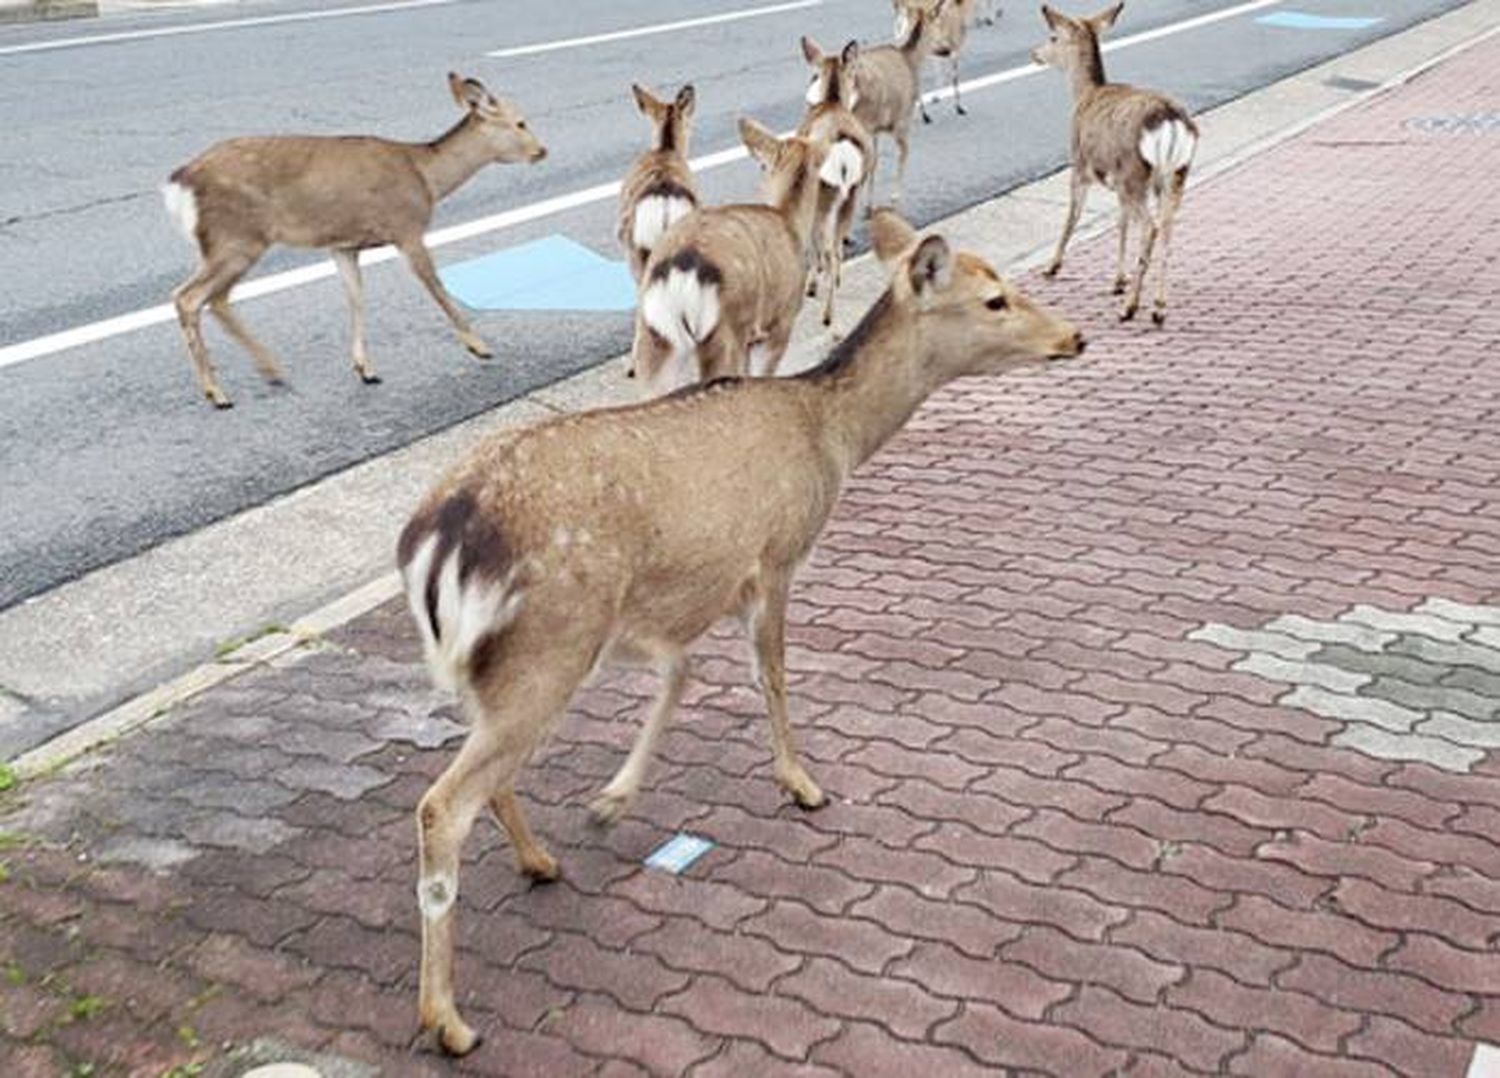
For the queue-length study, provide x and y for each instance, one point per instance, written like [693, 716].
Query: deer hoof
[1128, 313]
[926, 119]
[477, 348]
[608, 809]
[370, 378]
[961, 110]
[539, 866]
[1159, 317]
[217, 398]
[458, 1039]
[1119, 287]
[1051, 270]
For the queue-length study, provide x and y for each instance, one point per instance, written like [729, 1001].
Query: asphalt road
[106, 449]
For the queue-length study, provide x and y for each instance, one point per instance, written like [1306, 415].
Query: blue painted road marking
[549, 274]
[1301, 20]
[678, 852]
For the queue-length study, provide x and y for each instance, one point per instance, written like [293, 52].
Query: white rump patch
[1168, 146]
[814, 93]
[654, 214]
[182, 207]
[903, 26]
[682, 309]
[466, 612]
[843, 167]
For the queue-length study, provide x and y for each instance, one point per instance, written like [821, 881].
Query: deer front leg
[354, 287]
[1077, 195]
[832, 258]
[1120, 279]
[958, 103]
[532, 857]
[213, 277]
[869, 183]
[768, 627]
[421, 264]
[903, 147]
[1170, 202]
[616, 798]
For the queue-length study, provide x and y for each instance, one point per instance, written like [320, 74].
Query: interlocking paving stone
[1273, 643]
[1461, 612]
[1471, 653]
[1331, 632]
[1429, 625]
[1302, 672]
[1427, 750]
[1362, 709]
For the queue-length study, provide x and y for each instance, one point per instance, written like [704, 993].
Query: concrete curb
[1016, 230]
[46, 10]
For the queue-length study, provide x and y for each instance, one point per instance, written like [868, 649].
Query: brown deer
[887, 89]
[724, 285]
[659, 190]
[949, 21]
[622, 535]
[830, 122]
[1137, 142]
[343, 194]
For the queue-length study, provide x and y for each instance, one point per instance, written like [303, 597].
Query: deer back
[887, 87]
[1115, 136]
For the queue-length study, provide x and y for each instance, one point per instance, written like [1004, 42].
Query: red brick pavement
[1068, 835]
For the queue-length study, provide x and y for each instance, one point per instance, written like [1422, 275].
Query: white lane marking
[279, 282]
[226, 24]
[658, 28]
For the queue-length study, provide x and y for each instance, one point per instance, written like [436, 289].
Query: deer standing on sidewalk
[1137, 142]
[343, 194]
[887, 90]
[830, 121]
[659, 190]
[949, 24]
[622, 535]
[723, 287]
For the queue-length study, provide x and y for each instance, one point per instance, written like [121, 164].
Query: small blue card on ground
[1301, 20]
[550, 274]
[678, 852]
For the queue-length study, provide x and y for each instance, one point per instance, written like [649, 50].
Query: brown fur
[663, 169]
[1109, 121]
[949, 20]
[633, 530]
[340, 194]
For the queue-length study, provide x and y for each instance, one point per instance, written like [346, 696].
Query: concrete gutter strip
[96, 639]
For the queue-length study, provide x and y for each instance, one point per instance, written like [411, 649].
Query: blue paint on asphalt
[1301, 20]
[678, 852]
[549, 274]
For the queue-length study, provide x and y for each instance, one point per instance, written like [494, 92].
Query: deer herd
[621, 535]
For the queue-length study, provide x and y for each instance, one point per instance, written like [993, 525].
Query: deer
[659, 190]
[830, 121]
[887, 89]
[345, 195]
[620, 536]
[1137, 142]
[723, 287]
[949, 21]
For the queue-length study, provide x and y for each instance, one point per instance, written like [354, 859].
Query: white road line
[226, 24]
[658, 28]
[61, 341]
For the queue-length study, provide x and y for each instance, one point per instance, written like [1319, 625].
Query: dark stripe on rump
[457, 524]
[669, 189]
[688, 260]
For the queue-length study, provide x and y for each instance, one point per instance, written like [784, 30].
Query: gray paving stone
[234, 727]
[1486, 636]
[157, 854]
[1302, 672]
[1278, 644]
[1350, 708]
[1433, 698]
[1374, 741]
[424, 731]
[1331, 632]
[344, 781]
[1446, 608]
[248, 798]
[1407, 667]
[1474, 680]
[340, 746]
[257, 836]
[1481, 735]
[1395, 622]
[1470, 653]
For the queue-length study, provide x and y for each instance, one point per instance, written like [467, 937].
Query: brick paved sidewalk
[1159, 694]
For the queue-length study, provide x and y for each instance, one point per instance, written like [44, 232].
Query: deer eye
[521, 124]
[996, 303]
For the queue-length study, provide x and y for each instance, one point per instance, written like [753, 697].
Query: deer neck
[870, 385]
[796, 200]
[448, 161]
[1088, 74]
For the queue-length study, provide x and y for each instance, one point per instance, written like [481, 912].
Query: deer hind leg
[869, 183]
[415, 252]
[958, 103]
[616, 798]
[511, 713]
[903, 147]
[1121, 279]
[1137, 209]
[1077, 195]
[215, 276]
[832, 256]
[768, 629]
[354, 287]
[1171, 200]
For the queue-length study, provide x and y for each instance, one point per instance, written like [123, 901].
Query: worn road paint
[550, 274]
[1301, 20]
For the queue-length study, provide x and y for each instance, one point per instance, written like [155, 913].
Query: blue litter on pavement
[678, 852]
[1301, 20]
[549, 274]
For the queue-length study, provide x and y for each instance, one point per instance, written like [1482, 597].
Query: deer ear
[1055, 20]
[687, 97]
[763, 145]
[931, 266]
[469, 92]
[850, 53]
[891, 235]
[810, 51]
[1106, 18]
[643, 99]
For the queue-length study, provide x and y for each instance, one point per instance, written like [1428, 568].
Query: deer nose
[539, 153]
[1079, 343]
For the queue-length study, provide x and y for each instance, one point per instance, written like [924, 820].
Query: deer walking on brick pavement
[949, 21]
[888, 89]
[830, 122]
[659, 190]
[621, 535]
[243, 195]
[1137, 142]
[723, 287]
